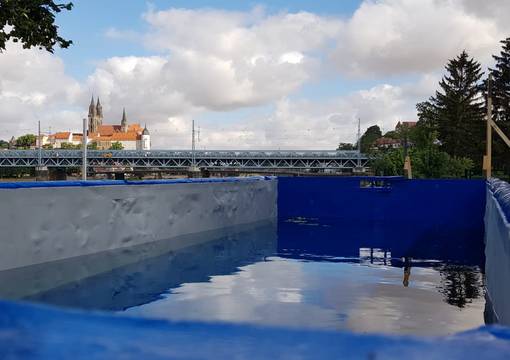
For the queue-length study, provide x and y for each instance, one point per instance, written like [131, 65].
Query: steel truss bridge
[174, 159]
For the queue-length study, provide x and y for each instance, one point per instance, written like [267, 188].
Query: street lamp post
[84, 152]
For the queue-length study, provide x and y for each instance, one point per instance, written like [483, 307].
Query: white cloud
[224, 60]
[299, 124]
[391, 37]
[34, 86]
[219, 61]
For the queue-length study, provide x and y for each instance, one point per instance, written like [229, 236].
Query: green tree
[16, 172]
[116, 146]
[69, 146]
[346, 146]
[501, 84]
[427, 163]
[4, 144]
[501, 101]
[369, 137]
[426, 133]
[458, 167]
[392, 134]
[388, 163]
[26, 141]
[92, 146]
[31, 22]
[458, 109]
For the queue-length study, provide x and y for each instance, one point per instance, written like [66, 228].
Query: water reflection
[123, 278]
[407, 271]
[460, 285]
[299, 274]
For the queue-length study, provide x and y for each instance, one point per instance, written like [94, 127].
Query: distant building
[387, 143]
[390, 143]
[406, 124]
[131, 136]
[58, 139]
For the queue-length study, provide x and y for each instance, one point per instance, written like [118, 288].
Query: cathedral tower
[99, 112]
[95, 115]
[123, 122]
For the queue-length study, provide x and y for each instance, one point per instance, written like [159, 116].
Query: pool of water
[304, 273]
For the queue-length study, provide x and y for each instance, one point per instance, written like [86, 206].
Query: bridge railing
[56, 153]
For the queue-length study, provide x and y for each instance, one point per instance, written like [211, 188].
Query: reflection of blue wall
[144, 280]
[419, 218]
[497, 249]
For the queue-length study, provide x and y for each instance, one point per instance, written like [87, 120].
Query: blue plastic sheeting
[501, 191]
[418, 218]
[497, 250]
[432, 201]
[38, 332]
[46, 184]
[429, 218]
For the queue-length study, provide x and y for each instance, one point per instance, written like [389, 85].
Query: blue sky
[87, 23]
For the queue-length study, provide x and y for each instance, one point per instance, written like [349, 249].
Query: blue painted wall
[416, 218]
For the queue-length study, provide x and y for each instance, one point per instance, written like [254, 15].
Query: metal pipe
[84, 152]
[193, 160]
[39, 162]
[359, 143]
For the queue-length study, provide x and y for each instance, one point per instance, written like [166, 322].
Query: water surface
[302, 273]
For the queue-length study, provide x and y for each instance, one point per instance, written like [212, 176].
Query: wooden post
[487, 159]
[408, 171]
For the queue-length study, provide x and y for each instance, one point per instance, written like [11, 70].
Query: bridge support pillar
[57, 174]
[42, 173]
[194, 172]
[120, 176]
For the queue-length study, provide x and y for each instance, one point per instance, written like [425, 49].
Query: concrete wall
[42, 224]
[497, 250]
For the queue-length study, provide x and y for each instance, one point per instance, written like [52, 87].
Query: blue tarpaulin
[429, 216]
[34, 331]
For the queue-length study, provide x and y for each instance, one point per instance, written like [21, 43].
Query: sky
[284, 74]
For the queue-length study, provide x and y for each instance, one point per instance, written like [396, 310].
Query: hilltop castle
[131, 136]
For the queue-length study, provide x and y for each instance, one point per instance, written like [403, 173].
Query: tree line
[29, 141]
[449, 138]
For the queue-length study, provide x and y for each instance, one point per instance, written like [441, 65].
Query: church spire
[99, 108]
[123, 123]
[92, 107]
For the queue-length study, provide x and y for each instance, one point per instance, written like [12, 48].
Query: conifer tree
[501, 84]
[458, 109]
[501, 105]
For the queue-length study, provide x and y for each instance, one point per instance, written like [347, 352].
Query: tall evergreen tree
[501, 105]
[458, 109]
[501, 84]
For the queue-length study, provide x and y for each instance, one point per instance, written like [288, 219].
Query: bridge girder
[175, 159]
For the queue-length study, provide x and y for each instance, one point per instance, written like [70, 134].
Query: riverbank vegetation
[449, 138]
